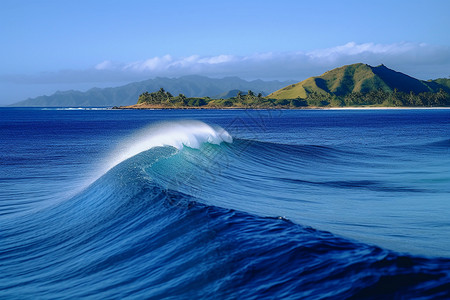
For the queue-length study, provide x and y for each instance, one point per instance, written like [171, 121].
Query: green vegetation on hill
[381, 98]
[361, 84]
[359, 79]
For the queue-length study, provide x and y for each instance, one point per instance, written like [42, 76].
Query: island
[356, 85]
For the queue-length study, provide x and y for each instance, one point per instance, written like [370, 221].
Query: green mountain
[360, 78]
[190, 86]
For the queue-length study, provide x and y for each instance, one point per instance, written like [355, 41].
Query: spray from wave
[177, 134]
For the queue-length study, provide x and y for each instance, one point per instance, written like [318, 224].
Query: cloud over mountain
[292, 64]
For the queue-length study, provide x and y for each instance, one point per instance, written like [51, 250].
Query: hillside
[191, 86]
[360, 78]
[380, 98]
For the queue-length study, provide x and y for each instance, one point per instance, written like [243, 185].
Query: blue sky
[59, 45]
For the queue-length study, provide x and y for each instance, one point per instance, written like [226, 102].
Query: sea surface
[224, 204]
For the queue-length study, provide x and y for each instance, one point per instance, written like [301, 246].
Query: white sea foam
[177, 134]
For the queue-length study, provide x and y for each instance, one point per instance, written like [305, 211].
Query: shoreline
[158, 107]
[387, 107]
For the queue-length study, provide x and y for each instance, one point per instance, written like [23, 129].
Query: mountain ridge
[359, 78]
[189, 85]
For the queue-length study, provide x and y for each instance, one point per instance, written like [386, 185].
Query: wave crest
[177, 134]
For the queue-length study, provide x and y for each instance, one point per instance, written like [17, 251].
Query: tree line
[166, 99]
[383, 98]
[251, 100]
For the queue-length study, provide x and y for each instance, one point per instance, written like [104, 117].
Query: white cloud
[104, 65]
[220, 59]
[168, 63]
[353, 49]
[151, 64]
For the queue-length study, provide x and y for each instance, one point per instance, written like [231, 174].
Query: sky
[49, 45]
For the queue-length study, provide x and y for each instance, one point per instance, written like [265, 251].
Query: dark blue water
[186, 204]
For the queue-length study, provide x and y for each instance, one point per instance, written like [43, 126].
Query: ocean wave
[178, 134]
[441, 144]
[129, 236]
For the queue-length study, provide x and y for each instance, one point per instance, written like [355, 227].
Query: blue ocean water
[230, 204]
